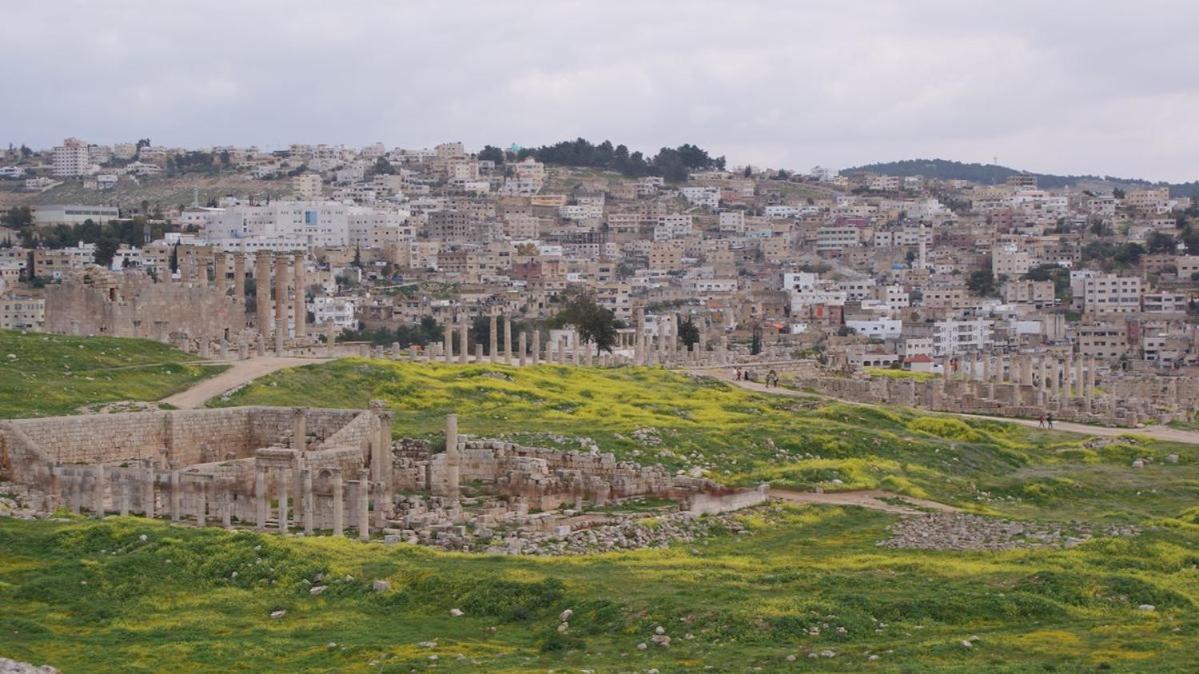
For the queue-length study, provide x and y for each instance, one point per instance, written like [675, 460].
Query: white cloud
[1069, 86]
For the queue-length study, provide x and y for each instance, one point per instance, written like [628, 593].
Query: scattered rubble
[960, 531]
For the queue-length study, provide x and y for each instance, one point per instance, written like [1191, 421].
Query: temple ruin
[332, 471]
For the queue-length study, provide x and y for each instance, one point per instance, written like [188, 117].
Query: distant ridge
[986, 174]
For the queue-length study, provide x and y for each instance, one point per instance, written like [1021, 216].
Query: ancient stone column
[219, 281]
[638, 339]
[448, 346]
[299, 432]
[452, 458]
[76, 487]
[283, 484]
[239, 276]
[148, 478]
[364, 504]
[493, 338]
[123, 499]
[507, 340]
[1067, 374]
[521, 346]
[200, 489]
[99, 486]
[339, 506]
[536, 346]
[463, 341]
[479, 356]
[1078, 374]
[298, 308]
[577, 346]
[176, 496]
[306, 496]
[260, 504]
[226, 496]
[280, 302]
[1089, 384]
[262, 289]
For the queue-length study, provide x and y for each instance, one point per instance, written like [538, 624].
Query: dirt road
[866, 498]
[241, 372]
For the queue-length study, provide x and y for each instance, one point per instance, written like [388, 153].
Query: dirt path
[241, 372]
[866, 498]
[1164, 433]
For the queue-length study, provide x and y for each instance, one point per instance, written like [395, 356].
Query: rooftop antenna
[994, 168]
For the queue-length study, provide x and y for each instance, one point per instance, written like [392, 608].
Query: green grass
[46, 375]
[891, 373]
[92, 596]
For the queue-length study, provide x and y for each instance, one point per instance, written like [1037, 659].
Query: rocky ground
[15, 501]
[13, 667]
[960, 531]
[656, 532]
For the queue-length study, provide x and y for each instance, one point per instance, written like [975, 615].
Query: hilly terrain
[46, 375]
[989, 174]
[786, 587]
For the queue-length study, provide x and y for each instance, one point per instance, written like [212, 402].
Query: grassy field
[95, 596]
[45, 375]
[740, 437]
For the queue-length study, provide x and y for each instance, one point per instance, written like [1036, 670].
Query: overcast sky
[1058, 86]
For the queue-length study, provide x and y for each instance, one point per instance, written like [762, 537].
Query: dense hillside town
[863, 276]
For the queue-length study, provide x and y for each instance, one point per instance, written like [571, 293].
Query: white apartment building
[857, 289]
[22, 313]
[280, 225]
[802, 299]
[837, 238]
[307, 186]
[952, 337]
[732, 221]
[672, 226]
[336, 310]
[707, 197]
[1008, 259]
[1111, 294]
[800, 280]
[877, 328]
[73, 214]
[71, 159]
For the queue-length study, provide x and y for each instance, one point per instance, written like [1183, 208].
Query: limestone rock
[15, 667]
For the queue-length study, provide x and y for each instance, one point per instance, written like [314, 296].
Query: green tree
[106, 248]
[981, 282]
[383, 167]
[491, 153]
[688, 332]
[594, 323]
[1161, 242]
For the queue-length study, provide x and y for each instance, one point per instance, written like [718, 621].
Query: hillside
[803, 588]
[736, 436]
[163, 192]
[45, 375]
[987, 174]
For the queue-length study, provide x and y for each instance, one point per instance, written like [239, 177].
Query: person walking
[1049, 419]
[1042, 421]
